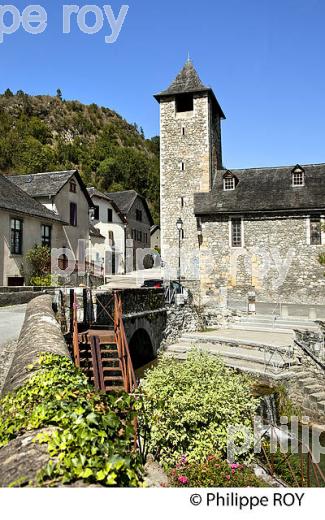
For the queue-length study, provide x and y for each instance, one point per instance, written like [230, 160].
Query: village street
[11, 320]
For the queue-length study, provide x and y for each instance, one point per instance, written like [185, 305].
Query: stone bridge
[145, 320]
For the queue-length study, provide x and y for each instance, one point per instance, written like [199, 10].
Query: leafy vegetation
[45, 133]
[188, 407]
[213, 472]
[38, 261]
[92, 434]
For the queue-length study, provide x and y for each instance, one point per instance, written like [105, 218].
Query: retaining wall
[22, 458]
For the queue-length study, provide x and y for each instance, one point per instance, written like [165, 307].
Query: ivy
[91, 434]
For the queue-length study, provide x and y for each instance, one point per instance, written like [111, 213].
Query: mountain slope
[45, 133]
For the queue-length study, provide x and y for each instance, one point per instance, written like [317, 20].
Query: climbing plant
[89, 435]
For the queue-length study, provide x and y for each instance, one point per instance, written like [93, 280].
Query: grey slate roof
[93, 192]
[265, 190]
[154, 228]
[188, 81]
[125, 200]
[47, 184]
[15, 200]
[95, 232]
[43, 184]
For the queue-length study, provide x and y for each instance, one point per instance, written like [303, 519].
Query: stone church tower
[190, 132]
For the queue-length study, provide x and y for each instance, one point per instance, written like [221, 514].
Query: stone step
[247, 366]
[308, 381]
[294, 320]
[319, 396]
[256, 356]
[321, 405]
[227, 337]
[313, 389]
[283, 329]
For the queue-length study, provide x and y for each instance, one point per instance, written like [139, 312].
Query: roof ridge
[272, 167]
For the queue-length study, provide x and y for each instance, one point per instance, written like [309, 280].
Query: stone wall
[22, 458]
[40, 333]
[275, 258]
[180, 319]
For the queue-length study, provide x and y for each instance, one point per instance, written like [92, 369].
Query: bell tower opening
[184, 103]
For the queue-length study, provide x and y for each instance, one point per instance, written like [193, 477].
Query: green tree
[8, 93]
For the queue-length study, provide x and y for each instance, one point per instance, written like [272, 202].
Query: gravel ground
[6, 354]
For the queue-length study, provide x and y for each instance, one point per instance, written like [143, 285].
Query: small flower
[183, 480]
[228, 477]
[233, 471]
[235, 466]
[183, 459]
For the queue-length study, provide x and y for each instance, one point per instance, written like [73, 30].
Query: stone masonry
[191, 138]
[277, 256]
[275, 259]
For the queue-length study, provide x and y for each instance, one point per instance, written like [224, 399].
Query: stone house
[108, 237]
[135, 209]
[24, 223]
[65, 194]
[155, 237]
[250, 229]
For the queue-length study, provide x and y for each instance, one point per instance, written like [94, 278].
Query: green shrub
[41, 281]
[188, 406]
[93, 434]
[213, 472]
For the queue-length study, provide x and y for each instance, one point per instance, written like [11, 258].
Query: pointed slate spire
[188, 81]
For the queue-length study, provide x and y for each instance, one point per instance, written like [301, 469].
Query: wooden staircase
[103, 355]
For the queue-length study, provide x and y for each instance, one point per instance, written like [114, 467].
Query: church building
[228, 232]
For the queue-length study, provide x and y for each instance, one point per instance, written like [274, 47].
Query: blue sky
[263, 58]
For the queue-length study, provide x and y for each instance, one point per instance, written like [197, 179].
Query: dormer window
[229, 182]
[298, 177]
[73, 186]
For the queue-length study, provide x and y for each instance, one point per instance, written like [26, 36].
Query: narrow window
[73, 214]
[96, 212]
[236, 232]
[183, 131]
[315, 231]
[109, 215]
[111, 238]
[139, 236]
[138, 215]
[182, 166]
[182, 202]
[298, 177]
[73, 187]
[46, 235]
[16, 237]
[229, 183]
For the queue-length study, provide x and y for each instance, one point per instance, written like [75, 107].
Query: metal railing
[302, 472]
[129, 379]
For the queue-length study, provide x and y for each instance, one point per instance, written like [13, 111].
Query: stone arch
[141, 348]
